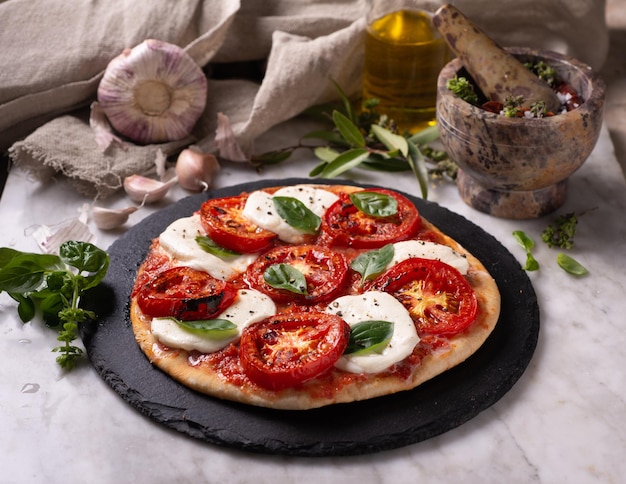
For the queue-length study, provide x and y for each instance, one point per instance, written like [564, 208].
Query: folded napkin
[55, 52]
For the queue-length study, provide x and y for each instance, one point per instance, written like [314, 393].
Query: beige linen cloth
[53, 54]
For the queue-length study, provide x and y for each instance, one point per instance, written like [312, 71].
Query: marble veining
[561, 422]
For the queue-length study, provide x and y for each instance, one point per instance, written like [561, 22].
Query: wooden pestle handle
[497, 73]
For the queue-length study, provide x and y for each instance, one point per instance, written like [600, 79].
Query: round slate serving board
[384, 423]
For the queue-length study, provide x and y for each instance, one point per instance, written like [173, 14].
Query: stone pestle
[497, 73]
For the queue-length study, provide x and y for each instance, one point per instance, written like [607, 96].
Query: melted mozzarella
[179, 241]
[428, 250]
[375, 305]
[260, 210]
[250, 307]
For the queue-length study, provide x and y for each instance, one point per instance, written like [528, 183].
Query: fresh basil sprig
[54, 284]
[372, 263]
[285, 276]
[527, 244]
[374, 203]
[207, 244]
[297, 214]
[213, 328]
[367, 337]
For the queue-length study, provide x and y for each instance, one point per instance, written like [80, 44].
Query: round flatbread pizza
[298, 297]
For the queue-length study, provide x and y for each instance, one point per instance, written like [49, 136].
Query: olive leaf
[417, 163]
[372, 263]
[374, 203]
[393, 142]
[209, 245]
[348, 130]
[367, 337]
[285, 276]
[345, 161]
[570, 265]
[212, 328]
[297, 214]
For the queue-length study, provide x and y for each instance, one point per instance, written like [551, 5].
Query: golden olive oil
[403, 56]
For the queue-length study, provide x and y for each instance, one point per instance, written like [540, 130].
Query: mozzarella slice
[179, 241]
[250, 307]
[428, 250]
[376, 305]
[259, 209]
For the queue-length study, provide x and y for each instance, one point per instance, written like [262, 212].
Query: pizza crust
[199, 373]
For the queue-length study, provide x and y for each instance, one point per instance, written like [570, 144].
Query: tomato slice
[287, 350]
[438, 297]
[223, 221]
[186, 294]
[347, 226]
[325, 272]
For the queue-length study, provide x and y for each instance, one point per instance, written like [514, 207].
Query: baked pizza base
[223, 377]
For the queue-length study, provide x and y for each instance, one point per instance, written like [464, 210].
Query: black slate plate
[348, 429]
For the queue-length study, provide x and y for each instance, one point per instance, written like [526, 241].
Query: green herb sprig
[367, 140]
[462, 88]
[54, 284]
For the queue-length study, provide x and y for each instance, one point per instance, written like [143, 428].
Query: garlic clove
[108, 219]
[195, 170]
[226, 142]
[142, 189]
[154, 92]
[101, 128]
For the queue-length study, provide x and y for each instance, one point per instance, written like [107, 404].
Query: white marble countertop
[563, 421]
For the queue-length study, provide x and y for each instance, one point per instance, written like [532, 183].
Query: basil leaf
[285, 276]
[372, 263]
[524, 240]
[207, 244]
[392, 142]
[85, 257]
[369, 337]
[375, 204]
[348, 130]
[213, 328]
[570, 265]
[297, 214]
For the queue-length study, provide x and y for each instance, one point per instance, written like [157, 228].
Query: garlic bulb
[142, 189]
[195, 170]
[153, 93]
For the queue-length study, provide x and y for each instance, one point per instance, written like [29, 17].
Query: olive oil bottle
[403, 56]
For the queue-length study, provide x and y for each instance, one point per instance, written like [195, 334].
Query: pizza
[302, 296]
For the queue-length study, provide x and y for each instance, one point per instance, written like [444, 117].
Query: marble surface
[563, 421]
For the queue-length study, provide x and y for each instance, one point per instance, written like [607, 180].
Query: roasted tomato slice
[289, 349]
[348, 226]
[325, 273]
[438, 297]
[223, 221]
[186, 294]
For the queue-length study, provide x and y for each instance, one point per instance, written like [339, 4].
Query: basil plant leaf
[207, 244]
[368, 337]
[285, 276]
[213, 328]
[570, 265]
[372, 263]
[524, 240]
[297, 214]
[374, 203]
